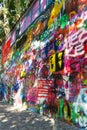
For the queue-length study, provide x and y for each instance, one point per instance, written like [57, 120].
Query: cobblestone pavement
[25, 120]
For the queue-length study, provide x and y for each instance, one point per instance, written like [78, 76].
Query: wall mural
[55, 72]
[68, 65]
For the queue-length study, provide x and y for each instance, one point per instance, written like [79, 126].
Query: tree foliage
[10, 12]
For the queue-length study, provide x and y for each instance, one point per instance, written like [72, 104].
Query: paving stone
[14, 120]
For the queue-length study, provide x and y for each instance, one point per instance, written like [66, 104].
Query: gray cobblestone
[13, 120]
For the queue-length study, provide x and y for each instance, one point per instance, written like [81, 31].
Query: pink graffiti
[74, 44]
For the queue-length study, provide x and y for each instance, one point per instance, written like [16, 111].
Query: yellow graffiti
[55, 11]
[27, 46]
[52, 63]
[60, 55]
[60, 63]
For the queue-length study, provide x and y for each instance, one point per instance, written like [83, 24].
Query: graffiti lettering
[75, 43]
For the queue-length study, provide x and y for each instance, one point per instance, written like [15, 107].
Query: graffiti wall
[52, 64]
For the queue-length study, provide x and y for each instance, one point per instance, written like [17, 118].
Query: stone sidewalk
[25, 120]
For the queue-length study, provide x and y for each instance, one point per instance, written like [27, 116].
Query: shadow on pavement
[25, 120]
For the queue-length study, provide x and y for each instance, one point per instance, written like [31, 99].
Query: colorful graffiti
[54, 65]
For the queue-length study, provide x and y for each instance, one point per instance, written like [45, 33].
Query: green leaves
[10, 12]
